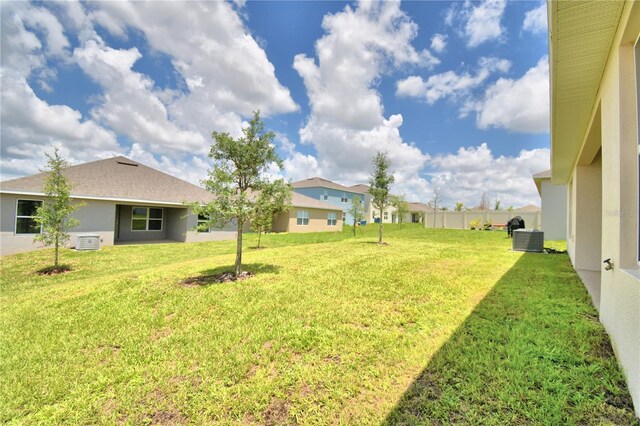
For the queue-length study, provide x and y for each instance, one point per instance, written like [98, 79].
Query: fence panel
[460, 220]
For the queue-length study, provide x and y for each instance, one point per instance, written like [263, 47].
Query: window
[202, 222]
[25, 217]
[344, 198]
[386, 216]
[332, 219]
[146, 219]
[344, 217]
[303, 217]
[324, 196]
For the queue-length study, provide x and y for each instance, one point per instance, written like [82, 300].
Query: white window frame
[301, 216]
[332, 219]
[344, 198]
[386, 215]
[324, 196]
[147, 219]
[15, 224]
[344, 216]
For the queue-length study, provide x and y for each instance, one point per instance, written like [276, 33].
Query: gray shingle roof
[117, 178]
[324, 183]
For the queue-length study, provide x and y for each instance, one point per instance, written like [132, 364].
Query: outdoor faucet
[609, 264]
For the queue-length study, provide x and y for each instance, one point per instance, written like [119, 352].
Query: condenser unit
[88, 242]
[528, 240]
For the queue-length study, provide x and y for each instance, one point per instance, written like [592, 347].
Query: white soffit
[581, 35]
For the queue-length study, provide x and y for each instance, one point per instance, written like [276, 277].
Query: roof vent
[124, 163]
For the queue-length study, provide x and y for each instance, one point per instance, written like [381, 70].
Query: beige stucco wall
[603, 202]
[461, 220]
[287, 222]
[554, 210]
[96, 217]
[227, 232]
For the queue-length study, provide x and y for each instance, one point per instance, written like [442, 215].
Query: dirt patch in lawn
[225, 277]
[276, 413]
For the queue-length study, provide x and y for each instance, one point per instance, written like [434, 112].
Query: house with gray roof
[128, 202]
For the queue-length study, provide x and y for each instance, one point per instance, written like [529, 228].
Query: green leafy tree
[496, 206]
[459, 206]
[54, 214]
[399, 202]
[239, 172]
[275, 198]
[356, 211]
[380, 183]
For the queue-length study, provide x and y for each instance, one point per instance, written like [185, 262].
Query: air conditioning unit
[528, 240]
[88, 242]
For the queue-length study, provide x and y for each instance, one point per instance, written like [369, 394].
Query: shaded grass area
[331, 329]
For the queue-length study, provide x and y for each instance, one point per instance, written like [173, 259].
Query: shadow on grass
[531, 352]
[225, 274]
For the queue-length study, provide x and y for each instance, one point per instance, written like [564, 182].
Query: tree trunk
[380, 228]
[239, 250]
[259, 235]
[354, 226]
[55, 260]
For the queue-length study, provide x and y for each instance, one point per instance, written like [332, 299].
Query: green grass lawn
[440, 326]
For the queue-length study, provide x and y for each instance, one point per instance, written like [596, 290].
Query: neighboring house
[125, 202]
[332, 193]
[417, 211]
[554, 206]
[594, 56]
[372, 214]
[308, 215]
[530, 208]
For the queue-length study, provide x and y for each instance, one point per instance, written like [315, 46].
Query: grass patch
[439, 326]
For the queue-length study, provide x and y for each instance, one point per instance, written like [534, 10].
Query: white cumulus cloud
[535, 20]
[465, 175]
[347, 124]
[438, 43]
[477, 22]
[520, 105]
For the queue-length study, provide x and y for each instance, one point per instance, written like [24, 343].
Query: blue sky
[455, 92]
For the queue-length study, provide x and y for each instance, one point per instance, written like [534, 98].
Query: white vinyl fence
[460, 220]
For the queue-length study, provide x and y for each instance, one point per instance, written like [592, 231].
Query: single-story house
[308, 215]
[594, 59]
[125, 201]
[554, 206]
[128, 202]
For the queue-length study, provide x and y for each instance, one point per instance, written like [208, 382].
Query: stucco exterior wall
[608, 227]
[554, 210]
[96, 217]
[287, 222]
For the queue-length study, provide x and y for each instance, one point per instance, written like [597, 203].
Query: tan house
[125, 201]
[594, 57]
[308, 215]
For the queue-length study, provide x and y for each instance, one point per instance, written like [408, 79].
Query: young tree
[54, 214]
[484, 201]
[496, 206]
[379, 185]
[239, 171]
[356, 211]
[434, 203]
[274, 199]
[399, 202]
[459, 206]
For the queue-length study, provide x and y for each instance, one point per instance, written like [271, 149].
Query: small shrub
[488, 224]
[475, 223]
